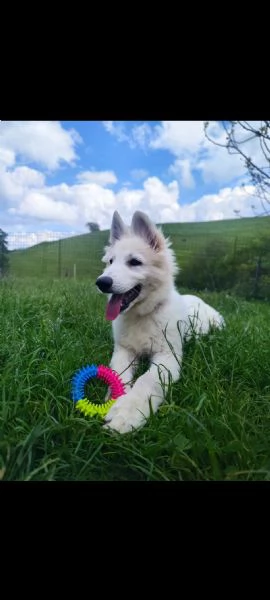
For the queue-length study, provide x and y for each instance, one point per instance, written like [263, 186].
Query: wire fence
[21, 241]
[207, 262]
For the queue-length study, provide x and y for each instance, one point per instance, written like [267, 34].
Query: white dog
[149, 317]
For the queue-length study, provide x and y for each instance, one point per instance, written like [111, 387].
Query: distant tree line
[223, 266]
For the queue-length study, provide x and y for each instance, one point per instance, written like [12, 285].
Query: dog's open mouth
[120, 302]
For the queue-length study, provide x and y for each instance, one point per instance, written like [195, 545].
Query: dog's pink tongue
[113, 307]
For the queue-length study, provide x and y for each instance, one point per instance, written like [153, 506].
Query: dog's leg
[131, 411]
[123, 362]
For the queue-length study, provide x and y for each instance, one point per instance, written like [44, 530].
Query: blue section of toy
[79, 380]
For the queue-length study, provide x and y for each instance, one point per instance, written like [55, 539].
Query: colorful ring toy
[110, 377]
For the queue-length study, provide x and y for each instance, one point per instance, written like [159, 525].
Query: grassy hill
[55, 259]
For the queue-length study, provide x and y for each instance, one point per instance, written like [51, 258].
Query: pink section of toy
[113, 381]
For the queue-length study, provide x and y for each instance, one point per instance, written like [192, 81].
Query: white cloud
[138, 174]
[46, 143]
[117, 130]
[186, 141]
[214, 207]
[140, 135]
[100, 177]
[182, 170]
[7, 157]
[159, 194]
[26, 177]
[13, 184]
[72, 206]
[152, 198]
[179, 137]
[192, 151]
[219, 166]
[40, 206]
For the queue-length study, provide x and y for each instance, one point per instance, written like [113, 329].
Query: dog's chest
[141, 335]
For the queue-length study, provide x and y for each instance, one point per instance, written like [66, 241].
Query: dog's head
[139, 264]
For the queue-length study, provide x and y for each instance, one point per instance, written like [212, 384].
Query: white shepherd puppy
[149, 317]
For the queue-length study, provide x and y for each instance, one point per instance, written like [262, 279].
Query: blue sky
[105, 152]
[56, 176]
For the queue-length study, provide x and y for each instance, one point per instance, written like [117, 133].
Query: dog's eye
[111, 261]
[133, 262]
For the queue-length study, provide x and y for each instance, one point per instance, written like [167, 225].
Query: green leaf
[181, 442]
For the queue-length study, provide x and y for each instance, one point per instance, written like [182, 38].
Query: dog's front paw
[127, 414]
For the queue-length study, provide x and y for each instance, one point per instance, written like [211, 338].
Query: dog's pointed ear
[118, 228]
[142, 226]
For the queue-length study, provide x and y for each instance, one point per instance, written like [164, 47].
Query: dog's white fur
[154, 324]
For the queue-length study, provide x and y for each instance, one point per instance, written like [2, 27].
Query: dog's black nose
[104, 284]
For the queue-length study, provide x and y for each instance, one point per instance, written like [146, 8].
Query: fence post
[235, 248]
[258, 273]
[59, 258]
[44, 259]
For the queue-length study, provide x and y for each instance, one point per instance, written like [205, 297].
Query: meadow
[214, 425]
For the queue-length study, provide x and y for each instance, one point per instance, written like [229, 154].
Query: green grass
[215, 424]
[51, 259]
